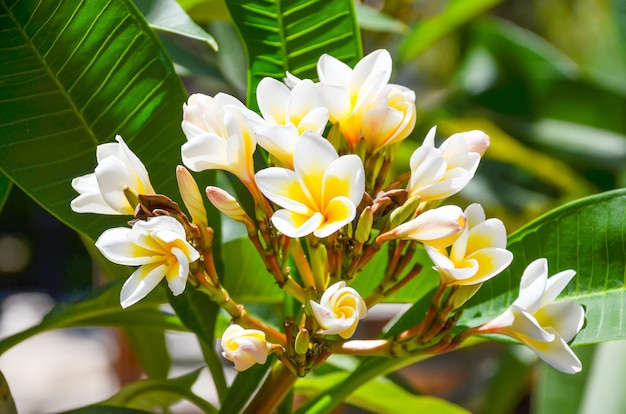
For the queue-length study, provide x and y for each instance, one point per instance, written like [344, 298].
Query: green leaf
[430, 30]
[73, 77]
[245, 276]
[508, 385]
[7, 405]
[102, 308]
[199, 313]
[587, 235]
[105, 409]
[603, 391]
[378, 396]
[283, 36]
[555, 391]
[5, 189]
[170, 17]
[376, 21]
[205, 11]
[150, 348]
[151, 393]
[244, 385]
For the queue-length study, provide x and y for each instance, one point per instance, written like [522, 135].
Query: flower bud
[227, 204]
[339, 310]
[476, 141]
[438, 227]
[191, 196]
[302, 342]
[244, 347]
[364, 227]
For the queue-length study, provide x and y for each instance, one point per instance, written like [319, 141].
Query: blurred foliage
[544, 79]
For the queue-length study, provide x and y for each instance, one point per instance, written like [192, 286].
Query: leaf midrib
[48, 69]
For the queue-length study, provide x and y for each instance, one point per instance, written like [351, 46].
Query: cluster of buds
[323, 208]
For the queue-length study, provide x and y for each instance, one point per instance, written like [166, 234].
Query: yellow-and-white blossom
[160, 249]
[438, 173]
[244, 347]
[118, 170]
[320, 195]
[542, 324]
[219, 135]
[349, 93]
[390, 119]
[438, 227]
[478, 254]
[288, 114]
[339, 310]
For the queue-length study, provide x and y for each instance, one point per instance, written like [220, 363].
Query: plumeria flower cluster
[324, 206]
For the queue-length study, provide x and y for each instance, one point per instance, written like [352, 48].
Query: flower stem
[273, 391]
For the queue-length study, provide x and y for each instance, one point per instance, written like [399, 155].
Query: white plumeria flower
[438, 227]
[244, 347]
[339, 310]
[477, 255]
[390, 119]
[160, 249]
[438, 173]
[540, 323]
[102, 191]
[320, 195]
[349, 93]
[219, 135]
[288, 114]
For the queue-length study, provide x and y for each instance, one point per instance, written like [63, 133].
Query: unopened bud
[303, 338]
[364, 226]
[191, 196]
[462, 294]
[227, 204]
[404, 212]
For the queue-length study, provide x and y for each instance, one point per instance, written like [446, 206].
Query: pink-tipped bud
[191, 196]
[438, 227]
[477, 141]
[227, 204]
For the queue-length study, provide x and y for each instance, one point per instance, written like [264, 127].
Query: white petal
[294, 225]
[333, 71]
[140, 283]
[339, 212]
[345, 176]
[311, 158]
[556, 284]
[337, 100]
[532, 285]
[113, 176]
[566, 318]
[115, 246]
[280, 141]
[136, 166]
[177, 284]
[475, 214]
[558, 354]
[488, 234]
[281, 186]
[272, 97]
[314, 120]
[525, 324]
[204, 152]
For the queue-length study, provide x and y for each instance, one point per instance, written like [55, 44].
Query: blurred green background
[545, 79]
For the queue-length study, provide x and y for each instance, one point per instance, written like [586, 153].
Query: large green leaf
[74, 76]
[102, 308]
[162, 393]
[5, 189]
[288, 35]
[168, 16]
[378, 396]
[588, 236]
